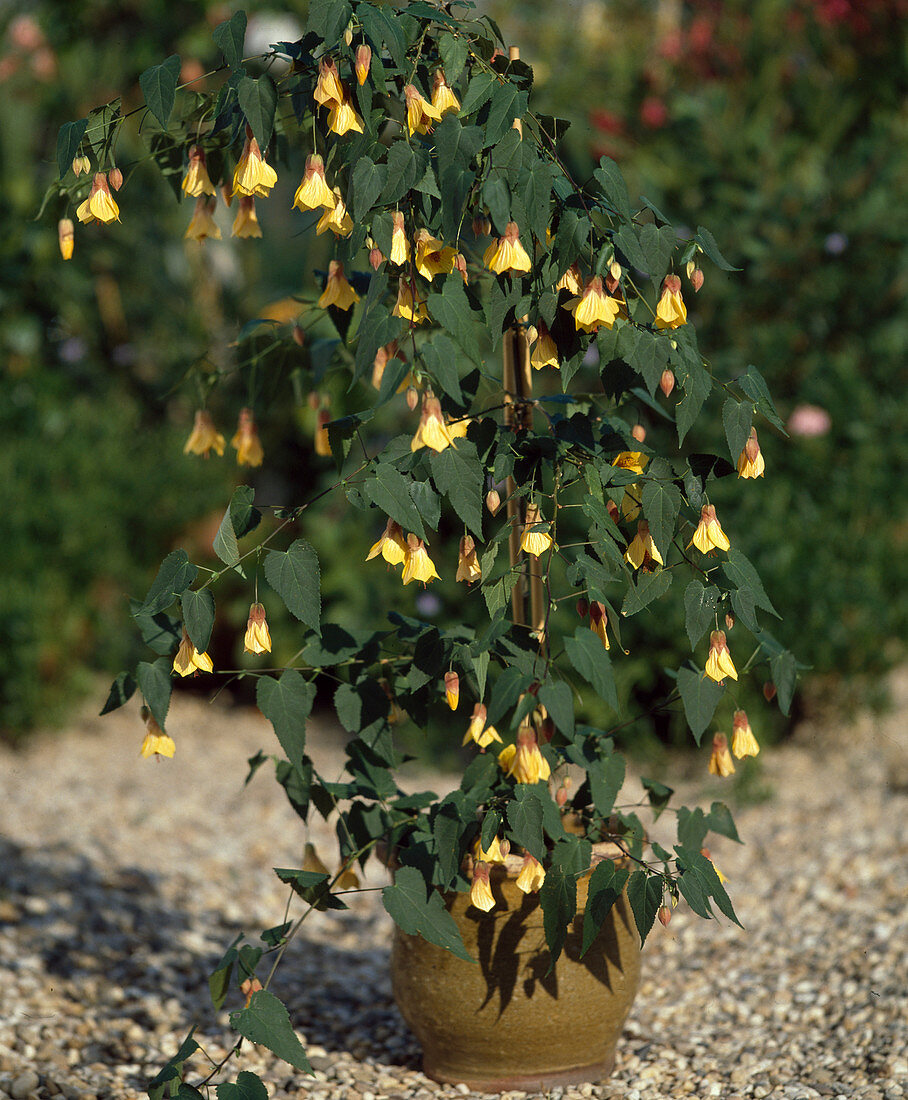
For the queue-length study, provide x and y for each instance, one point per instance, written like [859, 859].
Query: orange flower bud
[313, 401]
[769, 691]
[299, 335]
[729, 620]
[376, 258]
[412, 398]
[482, 226]
[638, 432]
[665, 915]
[362, 63]
[66, 237]
[452, 689]
[667, 382]
[493, 501]
[583, 607]
[612, 508]
[695, 275]
[115, 178]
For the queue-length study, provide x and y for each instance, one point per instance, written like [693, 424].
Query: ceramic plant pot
[506, 1023]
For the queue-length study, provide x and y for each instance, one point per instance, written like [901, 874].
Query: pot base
[524, 1082]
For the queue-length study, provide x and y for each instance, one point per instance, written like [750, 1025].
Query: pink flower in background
[809, 421]
[653, 112]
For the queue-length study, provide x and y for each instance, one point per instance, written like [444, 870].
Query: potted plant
[535, 323]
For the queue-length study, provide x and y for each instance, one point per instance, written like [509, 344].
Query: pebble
[109, 931]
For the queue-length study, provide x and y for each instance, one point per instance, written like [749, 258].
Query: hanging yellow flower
[246, 441]
[314, 192]
[743, 742]
[335, 218]
[594, 307]
[532, 541]
[204, 437]
[409, 306]
[189, 660]
[156, 742]
[432, 258]
[391, 545]
[642, 551]
[246, 222]
[202, 223]
[252, 176]
[599, 622]
[750, 461]
[478, 730]
[719, 663]
[481, 892]
[100, 205]
[197, 182]
[452, 689]
[432, 431]
[328, 86]
[532, 875]
[66, 237]
[338, 291]
[720, 761]
[258, 637]
[400, 246]
[342, 118]
[507, 254]
[524, 761]
[545, 350]
[443, 98]
[418, 566]
[468, 568]
[570, 280]
[671, 311]
[709, 534]
[421, 115]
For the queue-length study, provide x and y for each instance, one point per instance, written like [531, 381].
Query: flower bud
[696, 278]
[348, 38]
[250, 986]
[612, 508]
[313, 401]
[561, 795]
[667, 382]
[665, 915]
[299, 335]
[66, 236]
[376, 258]
[638, 432]
[729, 620]
[583, 607]
[460, 265]
[77, 166]
[613, 277]
[769, 691]
[482, 227]
[362, 63]
[412, 398]
[493, 501]
[115, 178]
[452, 689]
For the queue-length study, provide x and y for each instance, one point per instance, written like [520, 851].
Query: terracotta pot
[506, 1023]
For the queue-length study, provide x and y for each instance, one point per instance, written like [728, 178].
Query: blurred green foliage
[779, 121]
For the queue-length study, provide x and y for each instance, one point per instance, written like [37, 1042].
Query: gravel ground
[122, 882]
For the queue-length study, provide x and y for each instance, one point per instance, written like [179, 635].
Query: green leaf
[69, 139]
[176, 574]
[658, 795]
[784, 670]
[266, 1021]
[557, 698]
[458, 473]
[537, 194]
[588, 656]
[294, 575]
[159, 86]
[737, 417]
[608, 176]
[649, 587]
[625, 240]
[287, 703]
[451, 309]
[239, 520]
[156, 686]
[661, 501]
[700, 696]
[508, 103]
[742, 574]
[605, 783]
[720, 821]
[754, 385]
[454, 53]
[328, 19]
[447, 828]
[699, 610]
[173, 1069]
[658, 243]
[707, 242]
[698, 881]
[389, 490]
[697, 387]
[403, 170]
[647, 352]
[198, 616]
[497, 197]
[644, 892]
[248, 1086]
[441, 358]
[417, 914]
[525, 818]
[478, 91]
[258, 102]
[558, 897]
[368, 180]
[230, 37]
[606, 886]
[572, 236]
[121, 691]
